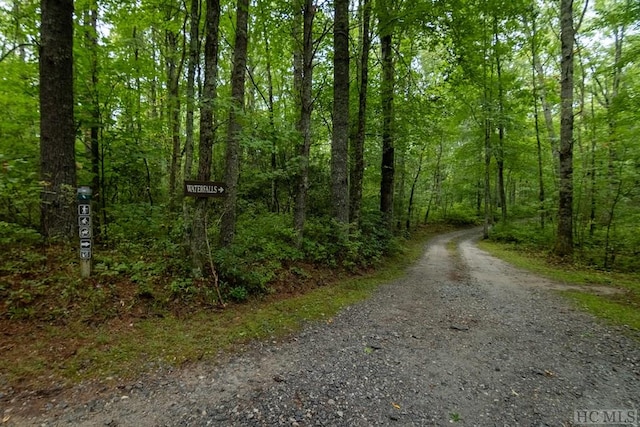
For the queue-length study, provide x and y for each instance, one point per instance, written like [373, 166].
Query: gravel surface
[464, 339]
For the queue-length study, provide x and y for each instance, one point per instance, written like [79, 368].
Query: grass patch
[45, 356]
[618, 308]
[614, 312]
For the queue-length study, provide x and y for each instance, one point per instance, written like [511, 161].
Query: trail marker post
[84, 229]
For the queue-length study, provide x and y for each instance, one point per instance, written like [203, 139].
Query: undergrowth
[140, 309]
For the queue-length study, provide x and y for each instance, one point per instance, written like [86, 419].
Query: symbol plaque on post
[84, 229]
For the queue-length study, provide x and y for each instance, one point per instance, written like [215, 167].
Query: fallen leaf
[395, 405]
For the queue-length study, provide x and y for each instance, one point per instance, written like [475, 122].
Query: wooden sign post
[204, 189]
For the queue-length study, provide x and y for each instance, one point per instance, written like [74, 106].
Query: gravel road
[463, 339]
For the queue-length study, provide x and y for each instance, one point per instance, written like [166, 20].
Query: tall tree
[357, 168]
[303, 65]
[192, 65]
[536, 115]
[207, 130]
[57, 127]
[386, 95]
[232, 169]
[564, 238]
[90, 99]
[339, 141]
[174, 62]
[499, 149]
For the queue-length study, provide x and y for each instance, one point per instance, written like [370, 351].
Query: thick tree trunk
[57, 127]
[304, 65]
[232, 157]
[340, 138]
[207, 132]
[564, 237]
[357, 168]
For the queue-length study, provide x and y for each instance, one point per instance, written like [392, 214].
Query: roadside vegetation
[141, 311]
[524, 245]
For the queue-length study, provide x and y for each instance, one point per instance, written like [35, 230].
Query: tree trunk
[57, 127]
[499, 152]
[232, 169]
[192, 65]
[173, 103]
[488, 214]
[340, 138]
[357, 170]
[564, 238]
[536, 116]
[593, 173]
[207, 131]
[93, 102]
[488, 125]
[388, 154]
[194, 51]
[275, 203]
[435, 186]
[414, 185]
[305, 79]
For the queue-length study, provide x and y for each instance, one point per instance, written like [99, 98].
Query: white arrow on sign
[85, 244]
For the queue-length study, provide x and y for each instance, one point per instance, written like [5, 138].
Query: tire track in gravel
[464, 340]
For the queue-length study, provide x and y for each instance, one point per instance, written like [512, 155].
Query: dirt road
[463, 339]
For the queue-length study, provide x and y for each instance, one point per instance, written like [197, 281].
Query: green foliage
[458, 215]
[239, 293]
[14, 233]
[19, 191]
[325, 242]
[620, 306]
[623, 313]
[526, 233]
[263, 243]
[142, 227]
[182, 288]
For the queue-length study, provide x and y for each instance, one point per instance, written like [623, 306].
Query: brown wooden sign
[204, 189]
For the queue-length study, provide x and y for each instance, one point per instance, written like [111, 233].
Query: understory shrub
[458, 215]
[261, 245]
[523, 233]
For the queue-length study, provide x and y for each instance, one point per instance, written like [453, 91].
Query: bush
[458, 215]
[261, 245]
[522, 233]
[14, 233]
[325, 243]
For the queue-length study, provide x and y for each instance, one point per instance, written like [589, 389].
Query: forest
[336, 128]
